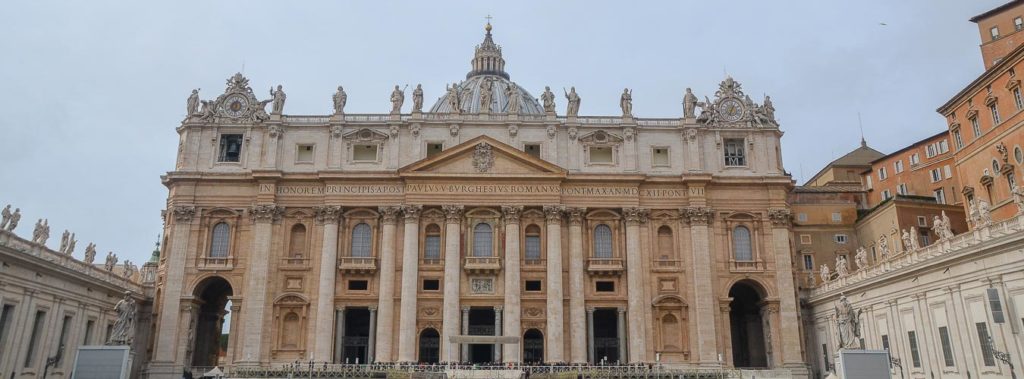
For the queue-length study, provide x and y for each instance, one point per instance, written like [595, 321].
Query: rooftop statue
[5, 217]
[64, 241]
[861, 258]
[90, 253]
[689, 104]
[907, 241]
[626, 103]
[417, 99]
[397, 99]
[914, 244]
[842, 267]
[340, 98]
[512, 93]
[41, 233]
[71, 245]
[15, 217]
[826, 274]
[110, 262]
[549, 100]
[453, 98]
[278, 98]
[485, 96]
[883, 246]
[573, 108]
[192, 104]
[984, 213]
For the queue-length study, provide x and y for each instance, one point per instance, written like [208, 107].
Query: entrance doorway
[481, 323]
[355, 346]
[211, 339]
[747, 327]
[606, 335]
[430, 346]
[533, 346]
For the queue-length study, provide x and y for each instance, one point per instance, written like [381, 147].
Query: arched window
[297, 241]
[361, 240]
[665, 243]
[482, 240]
[533, 243]
[602, 241]
[219, 242]
[741, 248]
[432, 242]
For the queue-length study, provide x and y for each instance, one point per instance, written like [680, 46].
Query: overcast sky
[92, 91]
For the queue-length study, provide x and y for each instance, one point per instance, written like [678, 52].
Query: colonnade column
[386, 300]
[704, 298]
[263, 215]
[554, 346]
[465, 332]
[591, 354]
[371, 343]
[452, 254]
[340, 332]
[410, 275]
[636, 301]
[578, 315]
[789, 322]
[327, 216]
[167, 338]
[512, 311]
[497, 332]
[621, 330]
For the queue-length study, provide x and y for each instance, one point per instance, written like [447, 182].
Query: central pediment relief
[483, 156]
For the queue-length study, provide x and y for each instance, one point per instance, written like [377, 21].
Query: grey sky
[92, 91]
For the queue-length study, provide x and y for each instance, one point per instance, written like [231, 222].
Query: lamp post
[1002, 356]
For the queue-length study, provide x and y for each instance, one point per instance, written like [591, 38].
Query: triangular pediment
[483, 156]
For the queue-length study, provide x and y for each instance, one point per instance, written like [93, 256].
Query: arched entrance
[746, 326]
[211, 338]
[533, 346]
[430, 346]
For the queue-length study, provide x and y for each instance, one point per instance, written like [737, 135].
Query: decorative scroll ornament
[266, 213]
[327, 214]
[733, 108]
[237, 103]
[780, 216]
[483, 158]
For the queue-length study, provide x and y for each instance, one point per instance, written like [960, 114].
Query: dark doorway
[481, 323]
[430, 346]
[357, 335]
[533, 346]
[748, 343]
[606, 335]
[211, 339]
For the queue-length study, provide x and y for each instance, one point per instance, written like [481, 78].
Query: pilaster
[327, 216]
[704, 298]
[410, 276]
[450, 312]
[637, 336]
[512, 312]
[386, 299]
[263, 216]
[555, 345]
[581, 340]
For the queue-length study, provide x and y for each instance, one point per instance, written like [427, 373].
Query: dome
[488, 67]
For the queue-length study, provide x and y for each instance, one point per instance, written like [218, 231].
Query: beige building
[392, 237]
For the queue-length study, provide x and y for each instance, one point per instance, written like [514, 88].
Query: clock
[730, 109]
[235, 105]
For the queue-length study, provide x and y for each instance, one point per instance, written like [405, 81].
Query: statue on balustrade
[915, 244]
[842, 267]
[110, 262]
[826, 274]
[512, 93]
[10, 223]
[5, 217]
[573, 107]
[90, 253]
[883, 246]
[626, 103]
[1018, 198]
[41, 232]
[71, 245]
[689, 104]
[417, 98]
[278, 100]
[984, 213]
[907, 241]
[340, 98]
[192, 104]
[64, 241]
[861, 258]
[548, 99]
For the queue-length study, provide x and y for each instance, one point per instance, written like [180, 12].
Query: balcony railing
[667, 264]
[358, 265]
[534, 263]
[604, 266]
[216, 263]
[479, 265]
[294, 263]
[746, 266]
[431, 262]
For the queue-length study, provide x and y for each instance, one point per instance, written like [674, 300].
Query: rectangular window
[994, 32]
[915, 356]
[33, 341]
[943, 147]
[929, 151]
[63, 338]
[601, 154]
[885, 342]
[230, 148]
[734, 153]
[1017, 99]
[604, 286]
[1018, 24]
[922, 221]
[915, 159]
[925, 239]
[533, 248]
[89, 326]
[837, 217]
[432, 246]
[958, 139]
[886, 195]
[304, 154]
[824, 355]
[995, 305]
[358, 285]
[976, 127]
[6, 316]
[986, 348]
[659, 156]
[805, 239]
[902, 189]
[840, 238]
[995, 114]
[364, 153]
[948, 171]
[936, 174]
[882, 174]
[532, 286]
[947, 346]
[532, 149]
[434, 149]
[802, 217]
[869, 184]
[898, 166]
[431, 285]
[940, 196]
[808, 262]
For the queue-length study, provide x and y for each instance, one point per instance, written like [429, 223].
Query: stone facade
[383, 237]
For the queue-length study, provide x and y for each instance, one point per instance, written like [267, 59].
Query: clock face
[235, 105]
[730, 109]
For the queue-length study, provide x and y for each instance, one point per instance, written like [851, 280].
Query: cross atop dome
[487, 58]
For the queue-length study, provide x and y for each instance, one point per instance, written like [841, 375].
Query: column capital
[465, 308]
[412, 213]
[575, 215]
[697, 215]
[553, 213]
[389, 213]
[498, 308]
[511, 213]
[781, 217]
[265, 213]
[327, 214]
[372, 308]
[340, 308]
[590, 310]
[453, 213]
[621, 310]
[183, 213]
[636, 216]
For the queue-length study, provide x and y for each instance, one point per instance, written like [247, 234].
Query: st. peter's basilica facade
[487, 228]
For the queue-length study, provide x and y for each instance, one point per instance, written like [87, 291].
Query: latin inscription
[511, 189]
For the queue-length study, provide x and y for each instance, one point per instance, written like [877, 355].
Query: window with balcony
[741, 247]
[361, 240]
[602, 241]
[230, 148]
[734, 152]
[483, 237]
[219, 240]
[532, 244]
[432, 245]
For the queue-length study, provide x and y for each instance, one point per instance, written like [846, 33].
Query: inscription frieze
[465, 188]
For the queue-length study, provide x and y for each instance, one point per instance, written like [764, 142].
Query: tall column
[167, 336]
[386, 300]
[555, 345]
[621, 329]
[591, 354]
[636, 300]
[512, 314]
[410, 274]
[371, 343]
[578, 341]
[264, 215]
[327, 216]
[704, 298]
[465, 331]
[452, 281]
[497, 332]
[789, 322]
[341, 334]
